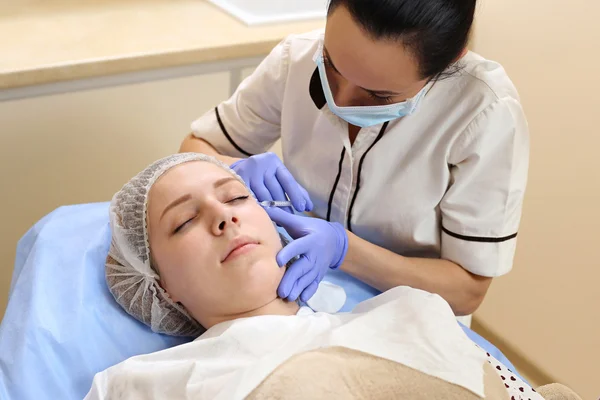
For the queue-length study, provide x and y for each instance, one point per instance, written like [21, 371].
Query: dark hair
[434, 31]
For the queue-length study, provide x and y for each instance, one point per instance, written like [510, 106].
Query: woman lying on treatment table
[193, 253]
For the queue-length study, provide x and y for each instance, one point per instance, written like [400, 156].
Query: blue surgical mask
[364, 116]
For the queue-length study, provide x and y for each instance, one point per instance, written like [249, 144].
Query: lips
[238, 246]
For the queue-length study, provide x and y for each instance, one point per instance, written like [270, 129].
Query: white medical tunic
[445, 182]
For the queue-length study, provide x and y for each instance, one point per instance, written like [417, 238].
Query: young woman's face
[214, 246]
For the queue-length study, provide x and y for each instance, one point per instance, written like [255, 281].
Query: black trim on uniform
[337, 179]
[227, 134]
[479, 238]
[316, 90]
[360, 165]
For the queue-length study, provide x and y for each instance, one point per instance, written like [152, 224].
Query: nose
[224, 219]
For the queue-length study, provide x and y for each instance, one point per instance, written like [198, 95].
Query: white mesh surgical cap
[131, 278]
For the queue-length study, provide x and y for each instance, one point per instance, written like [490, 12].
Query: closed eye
[385, 99]
[329, 64]
[237, 199]
[180, 227]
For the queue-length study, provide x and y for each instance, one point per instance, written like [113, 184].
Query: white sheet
[230, 360]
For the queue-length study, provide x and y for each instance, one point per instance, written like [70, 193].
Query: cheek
[262, 276]
[184, 261]
[259, 221]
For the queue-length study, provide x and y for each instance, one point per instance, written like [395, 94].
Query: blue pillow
[62, 325]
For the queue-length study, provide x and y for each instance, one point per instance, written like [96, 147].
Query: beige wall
[548, 307]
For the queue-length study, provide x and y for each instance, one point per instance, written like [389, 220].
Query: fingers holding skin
[310, 291]
[296, 271]
[293, 249]
[290, 222]
[301, 284]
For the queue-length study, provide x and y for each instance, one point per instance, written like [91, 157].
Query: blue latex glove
[320, 244]
[269, 179]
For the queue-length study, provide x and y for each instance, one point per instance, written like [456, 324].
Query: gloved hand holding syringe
[270, 180]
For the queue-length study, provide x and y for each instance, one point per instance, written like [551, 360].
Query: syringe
[275, 203]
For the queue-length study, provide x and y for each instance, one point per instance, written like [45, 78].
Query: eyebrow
[180, 200]
[224, 181]
[188, 196]
[379, 92]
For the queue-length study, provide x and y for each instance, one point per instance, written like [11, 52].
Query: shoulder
[486, 76]
[477, 103]
[473, 84]
[297, 53]
[489, 85]
[294, 49]
[496, 116]
[478, 94]
[298, 48]
[306, 39]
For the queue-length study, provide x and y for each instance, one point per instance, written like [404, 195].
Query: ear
[163, 284]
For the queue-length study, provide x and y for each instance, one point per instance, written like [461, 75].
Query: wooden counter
[50, 41]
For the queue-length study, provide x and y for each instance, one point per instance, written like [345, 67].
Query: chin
[257, 274]
[263, 277]
[261, 258]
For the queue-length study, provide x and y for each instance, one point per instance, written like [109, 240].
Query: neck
[277, 306]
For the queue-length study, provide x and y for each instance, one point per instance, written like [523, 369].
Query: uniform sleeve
[481, 210]
[249, 122]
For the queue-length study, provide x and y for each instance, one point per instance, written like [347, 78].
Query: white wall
[549, 306]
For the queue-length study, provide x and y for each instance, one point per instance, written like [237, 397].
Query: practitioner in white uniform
[413, 150]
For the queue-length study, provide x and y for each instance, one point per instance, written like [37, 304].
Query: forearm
[194, 145]
[384, 270]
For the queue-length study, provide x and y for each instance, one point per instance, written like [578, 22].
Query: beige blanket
[556, 391]
[341, 373]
